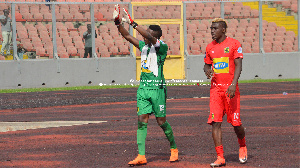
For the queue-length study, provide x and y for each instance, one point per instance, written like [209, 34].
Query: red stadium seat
[72, 51]
[40, 51]
[22, 34]
[246, 47]
[113, 49]
[254, 13]
[194, 46]
[124, 48]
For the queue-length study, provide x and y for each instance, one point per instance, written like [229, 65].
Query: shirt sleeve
[207, 58]
[141, 45]
[237, 51]
[85, 33]
[162, 52]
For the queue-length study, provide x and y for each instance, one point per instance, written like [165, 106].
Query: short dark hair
[157, 29]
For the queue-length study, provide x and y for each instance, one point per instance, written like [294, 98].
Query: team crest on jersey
[137, 109]
[212, 116]
[240, 50]
[226, 50]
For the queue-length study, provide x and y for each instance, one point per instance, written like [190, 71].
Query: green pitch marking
[16, 126]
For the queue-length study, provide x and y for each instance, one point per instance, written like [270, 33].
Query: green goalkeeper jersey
[153, 78]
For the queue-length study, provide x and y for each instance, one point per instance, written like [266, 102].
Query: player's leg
[234, 118]
[215, 119]
[143, 109]
[217, 137]
[86, 52]
[91, 52]
[8, 43]
[159, 107]
[4, 42]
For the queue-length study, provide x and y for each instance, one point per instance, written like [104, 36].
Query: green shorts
[151, 101]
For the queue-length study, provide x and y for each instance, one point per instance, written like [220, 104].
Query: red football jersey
[221, 57]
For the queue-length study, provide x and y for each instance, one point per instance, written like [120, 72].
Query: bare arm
[4, 21]
[237, 72]
[85, 35]
[208, 71]
[127, 36]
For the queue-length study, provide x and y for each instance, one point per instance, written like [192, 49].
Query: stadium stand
[35, 21]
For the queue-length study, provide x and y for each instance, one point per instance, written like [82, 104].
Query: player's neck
[220, 40]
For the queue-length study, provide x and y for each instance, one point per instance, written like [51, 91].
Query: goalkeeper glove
[128, 19]
[116, 15]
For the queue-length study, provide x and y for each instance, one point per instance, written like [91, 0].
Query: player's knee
[143, 118]
[216, 124]
[161, 120]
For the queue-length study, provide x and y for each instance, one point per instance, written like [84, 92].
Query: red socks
[242, 142]
[219, 150]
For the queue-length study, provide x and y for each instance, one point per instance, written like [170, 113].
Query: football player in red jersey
[223, 64]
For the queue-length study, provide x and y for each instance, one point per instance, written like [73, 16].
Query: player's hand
[209, 73]
[116, 14]
[231, 91]
[127, 18]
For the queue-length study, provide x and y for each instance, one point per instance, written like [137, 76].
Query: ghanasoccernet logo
[220, 65]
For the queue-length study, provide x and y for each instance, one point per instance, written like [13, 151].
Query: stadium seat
[235, 14]
[113, 49]
[194, 46]
[199, 6]
[119, 42]
[22, 34]
[84, 7]
[72, 51]
[246, 47]
[248, 39]
[255, 47]
[290, 38]
[254, 13]
[294, 8]
[109, 43]
[124, 49]
[176, 15]
[286, 4]
[104, 54]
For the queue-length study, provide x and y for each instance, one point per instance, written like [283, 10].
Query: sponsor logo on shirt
[240, 50]
[226, 50]
[221, 65]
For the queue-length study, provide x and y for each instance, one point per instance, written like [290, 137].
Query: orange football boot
[243, 155]
[174, 155]
[219, 162]
[139, 160]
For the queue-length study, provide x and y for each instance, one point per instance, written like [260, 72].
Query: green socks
[141, 137]
[142, 133]
[169, 134]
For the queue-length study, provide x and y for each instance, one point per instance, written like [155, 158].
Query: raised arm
[122, 30]
[142, 31]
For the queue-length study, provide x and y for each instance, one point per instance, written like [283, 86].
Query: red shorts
[220, 105]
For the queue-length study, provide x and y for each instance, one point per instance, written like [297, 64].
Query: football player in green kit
[151, 95]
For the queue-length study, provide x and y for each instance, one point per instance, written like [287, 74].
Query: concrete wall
[85, 72]
[65, 72]
[268, 66]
